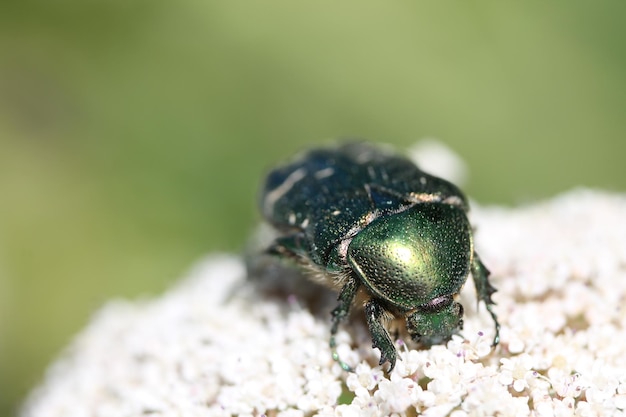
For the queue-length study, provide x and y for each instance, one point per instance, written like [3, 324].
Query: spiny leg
[380, 337]
[292, 246]
[484, 291]
[348, 292]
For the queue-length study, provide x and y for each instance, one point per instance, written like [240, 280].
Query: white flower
[215, 346]
[397, 394]
[291, 413]
[488, 398]
[566, 384]
[548, 407]
[517, 371]
[364, 377]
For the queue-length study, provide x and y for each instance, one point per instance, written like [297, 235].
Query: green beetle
[372, 225]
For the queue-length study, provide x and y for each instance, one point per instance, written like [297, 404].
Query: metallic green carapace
[372, 225]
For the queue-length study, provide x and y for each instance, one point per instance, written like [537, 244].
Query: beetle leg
[346, 296]
[380, 337]
[292, 246]
[484, 291]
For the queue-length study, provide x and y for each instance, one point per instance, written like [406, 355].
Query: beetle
[372, 225]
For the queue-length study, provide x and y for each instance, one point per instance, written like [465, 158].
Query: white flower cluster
[212, 346]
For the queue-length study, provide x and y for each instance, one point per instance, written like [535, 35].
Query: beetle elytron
[378, 229]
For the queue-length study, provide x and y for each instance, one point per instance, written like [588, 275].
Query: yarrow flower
[199, 350]
[517, 372]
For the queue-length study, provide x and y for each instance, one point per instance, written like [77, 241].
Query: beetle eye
[437, 304]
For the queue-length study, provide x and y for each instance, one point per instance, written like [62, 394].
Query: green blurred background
[133, 135]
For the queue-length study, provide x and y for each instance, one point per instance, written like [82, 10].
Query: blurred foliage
[133, 135]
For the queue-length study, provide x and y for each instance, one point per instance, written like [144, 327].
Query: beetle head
[436, 321]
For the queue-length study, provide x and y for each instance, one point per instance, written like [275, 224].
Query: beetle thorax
[414, 256]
